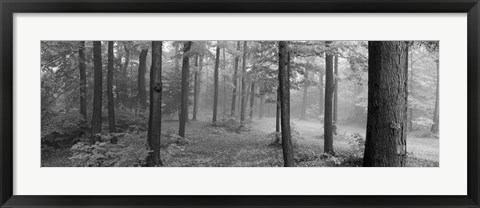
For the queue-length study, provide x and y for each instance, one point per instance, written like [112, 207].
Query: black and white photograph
[240, 103]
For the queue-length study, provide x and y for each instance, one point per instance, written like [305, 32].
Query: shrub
[353, 158]
[276, 137]
[231, 124]
[131, 120]
[422, 123]
[130, 151]
[421, 128]
[62, 129]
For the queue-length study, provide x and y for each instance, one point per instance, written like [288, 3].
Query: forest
[239, 103]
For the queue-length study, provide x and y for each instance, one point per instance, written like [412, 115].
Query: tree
[235, 74]
[321, 90]
[252, 99]
[410, 83]
[224, 82]
[261, 109]
[111, 107]
[83, 80]
[155, 115]
[436, 119]
[278, 114]
[184, 94]
[335, 97]
[97, 92]
[215, 83]
[284, 81]
[196, 86]
[385, 143]
[123, 77]
[243, 94]
[142, 92]
[303, 112]
[328, 117]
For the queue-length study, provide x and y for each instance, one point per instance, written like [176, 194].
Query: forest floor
[210, 146]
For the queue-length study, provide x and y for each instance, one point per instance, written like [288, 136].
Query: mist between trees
[240, 103]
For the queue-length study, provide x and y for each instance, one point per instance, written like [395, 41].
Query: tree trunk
[284, 79]
[261, 110]
[97, 91]
[385, 143]
[252, 99]
[142, 91]
[206, 87]
[224, 110]
[321, 89]
[83, 80]
[335, 98]
[303, 113]
[195, 89]
[215, 83]
[155, 117]
[277, 116]
[184, 94]
[410, 83]
[243, 95]
[177, 69]
[111, 106]
[122, 82]
[234, 78]
[328, 118]
[436, 117]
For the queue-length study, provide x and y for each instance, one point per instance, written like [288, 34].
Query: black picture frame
[9, 7]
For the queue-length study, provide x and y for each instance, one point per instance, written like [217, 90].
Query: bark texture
[97, 88]
[155, 115]
[328, 116]
[235, 78]
[436, 117]
[142, 91]
[387, 104]
[243, 104]
[215, 84]
[284, 81]
[83, 80]
[110, 98]
[184, 93]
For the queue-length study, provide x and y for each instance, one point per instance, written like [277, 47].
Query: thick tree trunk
[215, 83]
[196, 89]
[83, 80]
[252, 99]
[142, 91]
[155, 117]
[97, 89]
[111, 106]
[303, 112]
[184, 94]
[335, 98]
[284, 79]
[328, 118]
[387, 104]
[243, 95]
[436, 116]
